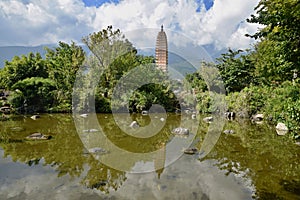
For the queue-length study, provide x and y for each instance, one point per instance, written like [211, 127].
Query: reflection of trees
[134, 144]
[64, 152]
[257, 151]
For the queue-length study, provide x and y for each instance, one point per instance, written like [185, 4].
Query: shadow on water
[266, 164]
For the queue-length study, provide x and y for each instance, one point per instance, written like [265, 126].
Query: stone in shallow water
[97, 150]
[228, 132]
[34, 117]
[208, 119]
[191, 151]
[181, 131]
[90, 130]
[134, 124]
[38, 136]
[281, 129]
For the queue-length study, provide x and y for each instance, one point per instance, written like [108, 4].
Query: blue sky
[220, 23]
[98, 3]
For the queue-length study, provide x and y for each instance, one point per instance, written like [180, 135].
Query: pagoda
[161, 50]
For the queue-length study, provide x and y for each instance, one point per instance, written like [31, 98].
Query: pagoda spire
[161, 50]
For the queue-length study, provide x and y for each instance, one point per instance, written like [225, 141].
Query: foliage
[283, 104]
[281, 21]
[107, 45]
[63, 62]
[21, 68]
[35, 91]
[279, 103]
[236, 70]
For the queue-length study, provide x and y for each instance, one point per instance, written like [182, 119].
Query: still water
[252, 163]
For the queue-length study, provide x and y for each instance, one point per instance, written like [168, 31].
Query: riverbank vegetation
[263, 79]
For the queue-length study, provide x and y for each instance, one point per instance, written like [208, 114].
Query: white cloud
[33, 22]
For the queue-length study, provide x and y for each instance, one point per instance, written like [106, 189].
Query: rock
[97, 150]
[145, 112]
[5, 109]
[230, 115]
[84, 115]
[297, 143]
[228, 132]
[191, 151]
[281, 129]
[208, 119]
[34, 117]
[187, 111]
[194, 116]
[17, 129]
[134, 124]
[38, 136]
[181, 131]
[90, 130]
[258, 117]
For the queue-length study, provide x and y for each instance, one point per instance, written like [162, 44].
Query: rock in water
[97, 150]
[134, 124]
[281, 129]
[38, 136]
[90, 130]
[191, 151]
[208, 119]
[181, 131]
[84, 115]
[34, 117]
[228, 132]
[258, 117]
[144, 112]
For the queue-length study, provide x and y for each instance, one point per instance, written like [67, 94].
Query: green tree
[36, 93]
[63, 62]
[236, 70]
[21, 68]
[281, 21]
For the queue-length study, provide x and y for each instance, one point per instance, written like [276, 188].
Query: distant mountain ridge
[8, 52]
[179, 64]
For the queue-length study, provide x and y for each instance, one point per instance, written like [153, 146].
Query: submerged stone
[38, 136]
[34, 117]
[191, 151]
[181, 131]
[228, 131]
[281, 129]
[134, 124]
[97, 150]
[208, 119]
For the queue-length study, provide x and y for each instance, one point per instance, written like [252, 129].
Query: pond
[252, 163]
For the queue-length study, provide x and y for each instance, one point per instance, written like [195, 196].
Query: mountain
[182, 61]
[8, 52]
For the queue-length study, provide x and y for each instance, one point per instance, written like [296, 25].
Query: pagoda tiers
[161, 50]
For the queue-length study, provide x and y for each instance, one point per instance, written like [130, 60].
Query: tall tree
[281, 20]
[63, 62]
[236, 70]
[22, 67]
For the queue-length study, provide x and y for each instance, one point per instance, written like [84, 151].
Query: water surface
[252, 163]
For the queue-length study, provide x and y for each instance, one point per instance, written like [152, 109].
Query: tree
[236, 70]
[281, 20]
[63, 62]
[21, 68]
[107, 45]
[36, 93]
